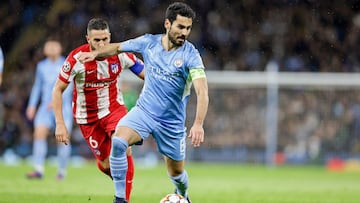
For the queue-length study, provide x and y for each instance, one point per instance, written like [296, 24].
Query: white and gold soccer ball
[173, 198]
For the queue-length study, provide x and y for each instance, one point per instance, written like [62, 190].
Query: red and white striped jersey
[96, 84]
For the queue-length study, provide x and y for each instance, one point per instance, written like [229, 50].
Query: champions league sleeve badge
[66, 67]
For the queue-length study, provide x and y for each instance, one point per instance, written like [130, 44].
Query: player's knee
[175, 172]
[128, 151]
[103, 165]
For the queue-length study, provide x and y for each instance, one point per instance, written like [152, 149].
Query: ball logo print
[173, 198]
[66, 67]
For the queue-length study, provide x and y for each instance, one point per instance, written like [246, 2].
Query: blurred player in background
[1, 65]
[42, 114]
[98, 101]
[172, 65]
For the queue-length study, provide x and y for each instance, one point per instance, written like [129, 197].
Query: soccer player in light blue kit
[1, 65]
[172, 65]
[47, 72]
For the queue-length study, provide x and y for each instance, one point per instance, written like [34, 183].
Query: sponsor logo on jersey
[99, 84]
[163, 74]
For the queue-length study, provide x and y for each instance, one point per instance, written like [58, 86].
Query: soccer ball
[173, 198]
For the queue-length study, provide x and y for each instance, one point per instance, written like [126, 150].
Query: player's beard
[174, 41]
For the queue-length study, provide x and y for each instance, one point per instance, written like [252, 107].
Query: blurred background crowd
[303, 36]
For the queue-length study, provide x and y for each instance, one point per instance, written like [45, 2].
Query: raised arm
[107, 50]
[61, 133]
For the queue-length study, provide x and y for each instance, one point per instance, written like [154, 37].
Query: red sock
[129, 177]
[102, 169]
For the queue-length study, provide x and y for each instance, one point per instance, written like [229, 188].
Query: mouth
[181, 38]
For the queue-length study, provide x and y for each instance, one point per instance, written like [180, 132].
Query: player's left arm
[138, 69]
[201, 88]
[134, 64]
[107, 50]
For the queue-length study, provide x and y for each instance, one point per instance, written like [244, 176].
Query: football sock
[119, 165]
[129, 176]
[39, 154]
[181, 183]
[102, 169]
[63, 154]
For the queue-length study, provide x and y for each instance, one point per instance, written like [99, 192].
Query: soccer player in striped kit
[172, 64]
[43, 116]
[97, 101]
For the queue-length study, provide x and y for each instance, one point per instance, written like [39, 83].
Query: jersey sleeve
[136, 44]
[127, 59]
[130, 61]
[67, 72]
[194, 59]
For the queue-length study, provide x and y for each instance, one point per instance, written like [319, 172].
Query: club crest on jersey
[114, 67]
[178, 63]
[66, 66]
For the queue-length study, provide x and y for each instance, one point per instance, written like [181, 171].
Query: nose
[101, 43]
[185, 32]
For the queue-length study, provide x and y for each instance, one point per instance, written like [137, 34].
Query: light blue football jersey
[167, 80]
[1, 61]
[47, 72]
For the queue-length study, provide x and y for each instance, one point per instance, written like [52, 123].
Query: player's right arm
[108, 50]
[61, 133]
[35, 94]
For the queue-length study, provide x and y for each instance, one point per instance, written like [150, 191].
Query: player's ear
[167, 24]
[87, 39]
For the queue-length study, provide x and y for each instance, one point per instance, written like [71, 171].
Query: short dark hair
[97, 24]
[179, 8]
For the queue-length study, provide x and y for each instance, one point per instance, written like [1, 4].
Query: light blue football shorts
[170, 142]
[46, 117]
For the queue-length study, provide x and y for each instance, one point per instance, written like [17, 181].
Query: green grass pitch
[209, 183]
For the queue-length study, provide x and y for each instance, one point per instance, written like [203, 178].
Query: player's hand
[61, 134]
[197, 135]
[30, 113]
[84, 57]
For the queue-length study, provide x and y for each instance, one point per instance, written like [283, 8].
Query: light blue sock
[119, 165]
[39, 154]
[63, 154]
[181, 183]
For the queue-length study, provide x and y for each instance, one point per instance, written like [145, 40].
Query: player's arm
[138, 69]
[61, 133]
[201, 88]
[107, 50]
[1, 65]
[34, 95]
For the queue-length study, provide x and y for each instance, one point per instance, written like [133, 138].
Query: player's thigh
[97, 139]
[170, 142]
[135, 126]
[42, 123]
[41, 132]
